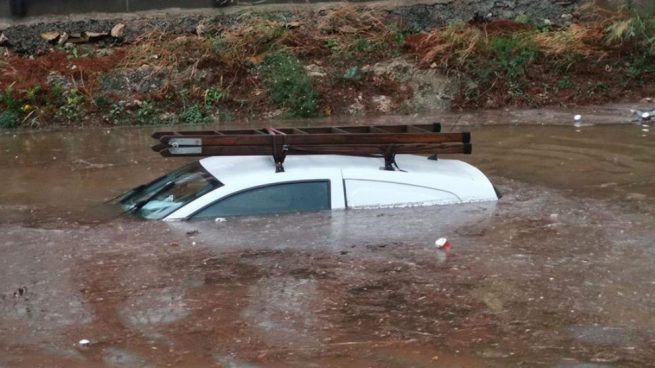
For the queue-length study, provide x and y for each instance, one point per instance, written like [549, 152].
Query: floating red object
[443, 243]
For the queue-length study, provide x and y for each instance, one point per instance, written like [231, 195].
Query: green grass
[193, 115]
[146, 114]
[288, 84]
[512, 55]
[9, 119]
[213, 96]
[116, 113]
[8, 100]
[73, 107]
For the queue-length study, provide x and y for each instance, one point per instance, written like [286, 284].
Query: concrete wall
[64, 7]
[42, 7]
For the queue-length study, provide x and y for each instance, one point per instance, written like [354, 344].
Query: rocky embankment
[321, 60]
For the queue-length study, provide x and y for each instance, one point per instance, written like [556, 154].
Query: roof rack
[379, 140]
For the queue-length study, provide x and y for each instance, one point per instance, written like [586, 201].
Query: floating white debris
[577, 121]
[442, 243]
[641, 116]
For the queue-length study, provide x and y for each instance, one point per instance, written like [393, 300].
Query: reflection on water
[559, 273]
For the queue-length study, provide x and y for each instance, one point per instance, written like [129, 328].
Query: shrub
[116, 113]
[146, 113]
[513, 54]
[288, 84]
[194, 115]
[8, 100]
[9, 119]
[636, 30]
[103, 102]
[213, 96]
[73, 106]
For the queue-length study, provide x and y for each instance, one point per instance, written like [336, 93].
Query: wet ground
[559, 273]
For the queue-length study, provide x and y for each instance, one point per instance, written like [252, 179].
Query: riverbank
[321, 61]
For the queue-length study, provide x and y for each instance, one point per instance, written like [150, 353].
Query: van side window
[276, 198]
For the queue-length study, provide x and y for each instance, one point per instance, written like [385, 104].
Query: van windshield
[159, 198]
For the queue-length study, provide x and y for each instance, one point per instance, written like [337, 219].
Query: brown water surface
[559, 273]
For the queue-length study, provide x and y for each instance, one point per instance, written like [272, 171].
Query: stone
[432, 90]
[50, 36]
[63, 39]
[382, 103]
[3, 40]
[356, 108]
[507, 14]
[118, 31]
[315, 71]
[207, 29]
[201, 29]
[56, 80]
[92, 35]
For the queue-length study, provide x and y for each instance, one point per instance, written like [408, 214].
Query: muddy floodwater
[559, 273]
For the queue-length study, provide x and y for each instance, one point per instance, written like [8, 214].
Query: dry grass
[447, 46]
[148, 50]
[571, 40]
[348, 25]
[254, 37]
[349, 20]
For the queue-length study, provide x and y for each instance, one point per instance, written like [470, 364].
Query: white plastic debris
[442, 243]
[577, 122]
[84, 342]
[220, 219]
[642, 116]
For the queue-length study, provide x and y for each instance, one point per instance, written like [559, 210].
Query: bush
[116, 113]
[8, 100]
[9, 120]
[73, 106]
[213, 96]
[636, 31]
[513, 54]
[145, 115]
[194, 115]
[288, 84]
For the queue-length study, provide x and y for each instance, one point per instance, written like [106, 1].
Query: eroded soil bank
[327, 60]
